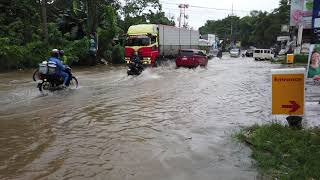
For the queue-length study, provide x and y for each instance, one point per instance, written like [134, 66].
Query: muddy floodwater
[167, 124]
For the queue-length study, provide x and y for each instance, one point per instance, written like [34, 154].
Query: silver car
[234, 52]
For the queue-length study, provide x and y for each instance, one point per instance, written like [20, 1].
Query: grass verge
[284, 153]
[299, 59]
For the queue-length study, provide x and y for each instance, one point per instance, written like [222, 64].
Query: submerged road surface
[165, 124]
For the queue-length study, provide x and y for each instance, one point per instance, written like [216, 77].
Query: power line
[201, 7]
[196, 12]
[192, 11]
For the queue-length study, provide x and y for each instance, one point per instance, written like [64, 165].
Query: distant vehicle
[191, 58]
[249, 52]
[154, 41]
[135, 67]
[234, 52]
[213, 53]
[263, 54]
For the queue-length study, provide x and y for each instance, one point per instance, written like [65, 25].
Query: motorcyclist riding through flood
[135, 67]
[61, 70]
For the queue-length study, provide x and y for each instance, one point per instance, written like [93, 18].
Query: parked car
[191, 58]
[263, 54]
[235, 52]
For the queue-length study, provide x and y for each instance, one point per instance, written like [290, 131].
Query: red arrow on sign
[294, 106]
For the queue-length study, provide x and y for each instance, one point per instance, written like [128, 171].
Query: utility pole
[231, 27]
[183, 8]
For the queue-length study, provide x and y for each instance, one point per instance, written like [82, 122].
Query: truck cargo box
[171, 39]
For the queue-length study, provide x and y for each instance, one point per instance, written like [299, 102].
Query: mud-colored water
[165, 124]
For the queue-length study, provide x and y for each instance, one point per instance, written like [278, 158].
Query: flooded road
[165, 124]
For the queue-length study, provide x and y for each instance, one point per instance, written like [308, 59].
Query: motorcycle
[49, 81]
[135, 67]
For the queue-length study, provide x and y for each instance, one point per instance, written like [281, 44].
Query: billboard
[301, 13]
[313, 70]
[316, 19]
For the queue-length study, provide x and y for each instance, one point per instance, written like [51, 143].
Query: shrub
[15, 56]
[298, 58]
[77, 50]
[10, 55]
[301, 58]
[36, 52]
[55, 36]
[117, 54]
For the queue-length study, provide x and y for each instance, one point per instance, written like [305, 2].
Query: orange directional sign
[288, 91]
[290, 58]
[293, 107]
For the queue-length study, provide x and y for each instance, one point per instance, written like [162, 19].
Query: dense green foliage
[118, 54]
[284, 153]
[24, 41]
[259, 29]
[298, 59]
[301, 58]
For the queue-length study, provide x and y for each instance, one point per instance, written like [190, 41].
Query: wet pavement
[165, 124]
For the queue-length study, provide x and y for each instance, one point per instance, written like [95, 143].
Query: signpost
[288, 91]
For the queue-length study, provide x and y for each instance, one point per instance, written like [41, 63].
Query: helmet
[61, 52]
[55, 52]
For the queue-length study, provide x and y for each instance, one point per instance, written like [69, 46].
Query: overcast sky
[198, 16]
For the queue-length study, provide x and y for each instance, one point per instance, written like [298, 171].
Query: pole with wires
[183, 8]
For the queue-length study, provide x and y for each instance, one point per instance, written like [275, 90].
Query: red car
[191, 58]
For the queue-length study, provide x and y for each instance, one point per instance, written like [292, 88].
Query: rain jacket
[57, 62]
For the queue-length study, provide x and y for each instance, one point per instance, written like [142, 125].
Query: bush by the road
[298, 59]
[117, 54]
[14, 56]
[301, 58]
[282, 152]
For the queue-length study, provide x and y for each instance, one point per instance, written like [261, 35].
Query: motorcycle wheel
[74, 83]
[44, 87]
[36, 75]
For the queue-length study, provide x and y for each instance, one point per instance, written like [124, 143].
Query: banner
[316, 19]
[301, 13]
[313, 70]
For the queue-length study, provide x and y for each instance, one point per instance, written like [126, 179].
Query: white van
[263, 54]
